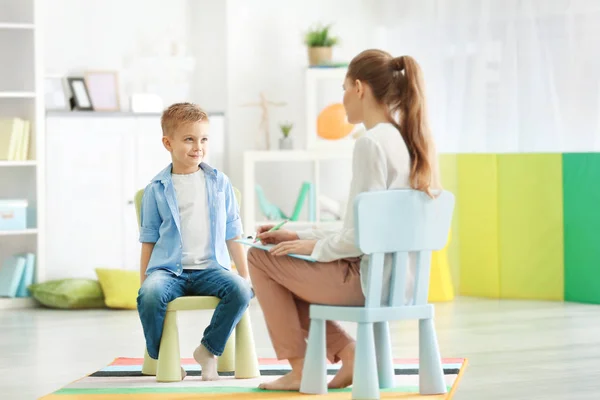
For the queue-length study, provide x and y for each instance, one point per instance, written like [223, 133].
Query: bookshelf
[315, 157]
[22, 96]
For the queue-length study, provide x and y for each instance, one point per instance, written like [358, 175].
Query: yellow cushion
[120, 287]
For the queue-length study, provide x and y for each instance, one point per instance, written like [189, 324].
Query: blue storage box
[13, 215]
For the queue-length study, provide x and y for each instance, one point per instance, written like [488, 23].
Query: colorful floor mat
[123, 380]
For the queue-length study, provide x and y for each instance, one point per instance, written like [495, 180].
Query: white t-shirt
[190, 190]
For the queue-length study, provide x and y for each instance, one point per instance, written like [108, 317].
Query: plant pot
[319, 55]
[286, 143]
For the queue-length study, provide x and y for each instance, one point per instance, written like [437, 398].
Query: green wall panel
[581, 180]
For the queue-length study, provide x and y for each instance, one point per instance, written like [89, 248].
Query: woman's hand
[275, 237]
[304, 247]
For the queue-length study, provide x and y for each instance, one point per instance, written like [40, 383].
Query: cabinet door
[87, 171]
[151, 155]
[147, 160]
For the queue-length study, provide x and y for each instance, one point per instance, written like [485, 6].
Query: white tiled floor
[517, 350]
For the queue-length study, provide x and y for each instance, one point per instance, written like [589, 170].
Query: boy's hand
[274, 237]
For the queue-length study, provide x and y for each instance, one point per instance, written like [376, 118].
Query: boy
[189, 221]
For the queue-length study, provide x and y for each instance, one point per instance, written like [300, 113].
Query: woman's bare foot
[344, 376]
[290, 381]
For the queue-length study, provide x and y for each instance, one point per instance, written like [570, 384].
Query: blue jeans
[162, 286]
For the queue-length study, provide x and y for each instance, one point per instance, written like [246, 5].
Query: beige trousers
[286, 286]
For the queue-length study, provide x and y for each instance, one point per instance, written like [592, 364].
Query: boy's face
[188, 145]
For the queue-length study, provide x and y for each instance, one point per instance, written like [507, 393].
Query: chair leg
[365, 380]
[226, 362]
[246, 363]
[314, 371]
[431, 373]
[149, 366]
[383, 350]
[169, 363]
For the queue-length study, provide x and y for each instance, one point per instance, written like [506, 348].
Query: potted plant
[320, 44]
[286, 142]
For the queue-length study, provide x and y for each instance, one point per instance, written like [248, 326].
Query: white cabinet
[95, 164]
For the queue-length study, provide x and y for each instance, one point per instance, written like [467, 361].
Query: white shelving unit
[22, 96]
[251, 158]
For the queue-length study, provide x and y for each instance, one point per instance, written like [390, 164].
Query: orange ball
[332, 123]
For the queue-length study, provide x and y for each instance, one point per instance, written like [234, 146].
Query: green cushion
[68, 293]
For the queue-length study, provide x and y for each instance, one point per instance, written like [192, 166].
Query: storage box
[13, 215]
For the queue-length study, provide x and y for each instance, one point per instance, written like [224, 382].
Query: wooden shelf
[16, 25]
[17, 95]
[7, 303]
[19, 233]
[26, 163]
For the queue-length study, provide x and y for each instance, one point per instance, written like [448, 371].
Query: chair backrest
[140, 194]
[138, 204]
[398, 222]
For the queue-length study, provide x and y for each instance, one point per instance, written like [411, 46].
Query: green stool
[239, 354]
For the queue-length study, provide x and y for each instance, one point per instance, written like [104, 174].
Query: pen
[276, 227]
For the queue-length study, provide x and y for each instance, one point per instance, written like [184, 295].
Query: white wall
[156, 46]
[266, 52]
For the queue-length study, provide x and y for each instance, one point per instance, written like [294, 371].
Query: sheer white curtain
[504, 75]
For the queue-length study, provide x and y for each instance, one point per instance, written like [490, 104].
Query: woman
[393, 154]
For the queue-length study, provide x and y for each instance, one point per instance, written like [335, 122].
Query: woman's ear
[360, 89]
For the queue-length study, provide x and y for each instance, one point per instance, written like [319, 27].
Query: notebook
[267, 247]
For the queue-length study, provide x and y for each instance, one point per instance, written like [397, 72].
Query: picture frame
[103, 87]
[56, 95]
[80, 96]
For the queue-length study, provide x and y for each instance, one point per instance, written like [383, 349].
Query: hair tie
[398, 63]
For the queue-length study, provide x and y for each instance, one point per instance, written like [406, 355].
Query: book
[11, 273]
[267, 247]
[14, 139]
[27, 278]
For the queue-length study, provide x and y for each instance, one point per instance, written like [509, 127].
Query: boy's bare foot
[208, 363]
[344, 376]
[290, 381]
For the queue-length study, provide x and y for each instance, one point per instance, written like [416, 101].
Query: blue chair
[388, 222]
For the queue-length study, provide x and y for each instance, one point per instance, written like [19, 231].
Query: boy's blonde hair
[179, 114]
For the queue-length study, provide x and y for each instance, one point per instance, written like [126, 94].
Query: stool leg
[365, 380]
[246, 363]
[383, 349]
[149, 366]
[169, 363]
[314, 371]
[226, 363]
[431, 372]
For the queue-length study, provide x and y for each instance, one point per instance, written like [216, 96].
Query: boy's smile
[188, 146]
